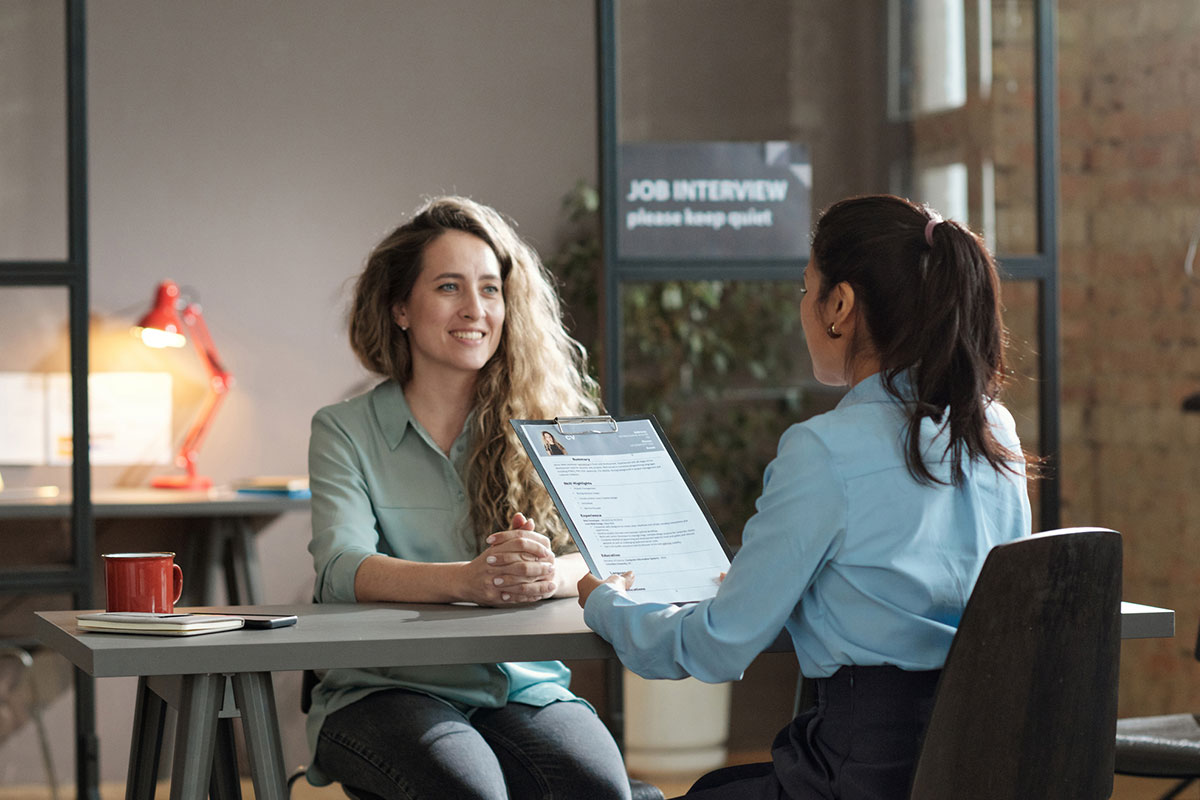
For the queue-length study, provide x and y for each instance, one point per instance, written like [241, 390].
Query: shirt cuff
[339, 577]
[598, 601]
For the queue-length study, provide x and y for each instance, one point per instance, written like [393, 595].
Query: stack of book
[287, 485]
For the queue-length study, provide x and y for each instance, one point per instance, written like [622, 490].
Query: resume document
[629, 505]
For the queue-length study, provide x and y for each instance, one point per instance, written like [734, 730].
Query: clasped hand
[517, 567]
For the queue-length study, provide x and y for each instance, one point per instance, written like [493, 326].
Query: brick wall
[1130, 169]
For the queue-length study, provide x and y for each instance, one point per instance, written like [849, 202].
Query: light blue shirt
[381, 485]
[847, 551]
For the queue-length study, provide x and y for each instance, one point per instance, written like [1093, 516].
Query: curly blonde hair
[537, 372]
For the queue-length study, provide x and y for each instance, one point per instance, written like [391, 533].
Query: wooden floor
[672, 786]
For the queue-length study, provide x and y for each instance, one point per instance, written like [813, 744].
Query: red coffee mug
[142, 582]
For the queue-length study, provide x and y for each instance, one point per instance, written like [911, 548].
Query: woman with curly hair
[421, 492]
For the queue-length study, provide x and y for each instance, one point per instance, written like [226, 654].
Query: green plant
[577, 265]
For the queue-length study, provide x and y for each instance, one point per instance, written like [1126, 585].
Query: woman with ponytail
[875, 518]
[422, 493]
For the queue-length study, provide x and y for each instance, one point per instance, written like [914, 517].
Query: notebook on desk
[158, 624]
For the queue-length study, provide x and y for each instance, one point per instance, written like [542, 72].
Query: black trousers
[860, 742]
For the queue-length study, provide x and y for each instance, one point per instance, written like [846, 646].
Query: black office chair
[308, 682]
[1026, 707]
[1161, 747]
[640, 790]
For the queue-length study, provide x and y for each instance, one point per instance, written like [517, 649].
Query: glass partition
[35, 398]
[724, 368]
[931, 99]
[935, 100]
[35, 448]
[33, 131]
[1023, 390]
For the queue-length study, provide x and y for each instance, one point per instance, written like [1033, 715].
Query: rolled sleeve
[343, 522]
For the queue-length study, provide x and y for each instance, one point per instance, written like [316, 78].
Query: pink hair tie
[934, 221]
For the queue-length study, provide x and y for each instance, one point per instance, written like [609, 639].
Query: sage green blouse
[381, 485]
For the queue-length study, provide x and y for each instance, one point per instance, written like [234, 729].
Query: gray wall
[255, 151]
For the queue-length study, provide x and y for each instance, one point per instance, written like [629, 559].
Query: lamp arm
[219, 381]
[189, 451]
[202, 339]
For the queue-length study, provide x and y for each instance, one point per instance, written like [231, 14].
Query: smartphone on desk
[267, 620]
[258, 620]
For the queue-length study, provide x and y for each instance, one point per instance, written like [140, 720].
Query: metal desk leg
[202, 565]
[227, 553]
[235, 583]
[87, 743]
[256, 701]
[149, 715]
[242, 564]
[224, 784]
[199, 704]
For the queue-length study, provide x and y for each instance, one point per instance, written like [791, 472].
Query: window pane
[33, 131]
[1009, 120]
[1023, 392]
[927, 56]
[33, 327]
[931, 99]
[945, 188]
[34, 362]
[879, 93]
[724, 367]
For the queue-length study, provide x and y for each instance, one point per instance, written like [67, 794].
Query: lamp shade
[161, 325]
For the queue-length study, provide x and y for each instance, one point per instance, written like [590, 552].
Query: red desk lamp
[170, 323]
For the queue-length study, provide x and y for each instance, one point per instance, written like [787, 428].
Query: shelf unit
[70, 274]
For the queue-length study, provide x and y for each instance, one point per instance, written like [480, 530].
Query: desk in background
[221, 545]
[191, 674]
[228, 519]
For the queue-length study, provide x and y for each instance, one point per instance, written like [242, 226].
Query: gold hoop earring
[833, 332]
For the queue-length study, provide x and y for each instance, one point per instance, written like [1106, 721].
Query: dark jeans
[860, 742]
[403, 745]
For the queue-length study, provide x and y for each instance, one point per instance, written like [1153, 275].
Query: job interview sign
[714, 200]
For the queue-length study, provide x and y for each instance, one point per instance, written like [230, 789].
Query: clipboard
[628, 503]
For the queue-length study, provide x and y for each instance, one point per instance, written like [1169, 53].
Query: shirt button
[461, 495]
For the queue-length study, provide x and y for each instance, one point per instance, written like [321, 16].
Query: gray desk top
[145, 502]
[337, 635]
[372, 635]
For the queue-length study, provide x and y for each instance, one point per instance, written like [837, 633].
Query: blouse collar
[871, 390]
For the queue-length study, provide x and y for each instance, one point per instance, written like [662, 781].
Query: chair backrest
[1026, 707]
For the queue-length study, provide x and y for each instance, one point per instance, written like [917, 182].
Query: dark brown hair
[932, 313]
